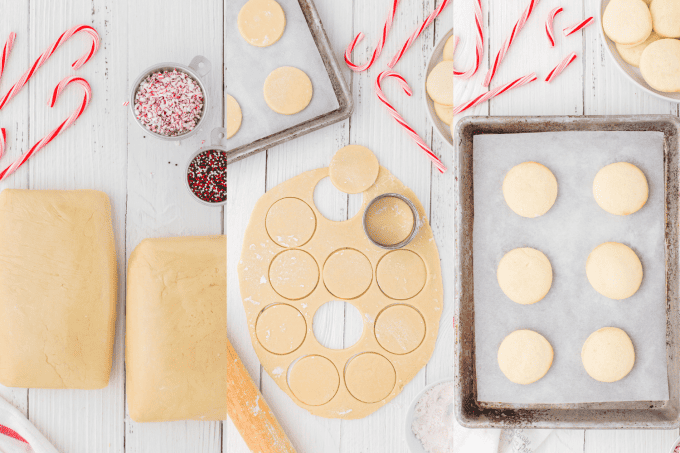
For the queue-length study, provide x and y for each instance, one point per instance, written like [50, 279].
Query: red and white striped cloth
[18, 435]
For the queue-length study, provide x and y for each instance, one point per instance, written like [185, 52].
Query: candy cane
[69, 121]
[506, 45]
[574, 28]
[5, 52]
[560, 67]
[479, 47]
[414, 135]
[495, 92]
[549, 24]
[378, 49]
[417, 33]
[3, 140]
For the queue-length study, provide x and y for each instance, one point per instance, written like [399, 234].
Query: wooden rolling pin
[249, 411]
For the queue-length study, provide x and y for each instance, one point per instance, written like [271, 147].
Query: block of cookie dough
[57, 289]
[176, 329]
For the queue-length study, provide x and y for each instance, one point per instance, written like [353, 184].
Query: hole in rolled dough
[333, 204]
[337, 325]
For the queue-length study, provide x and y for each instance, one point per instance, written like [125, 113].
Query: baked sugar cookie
[632, 55]
[530, 189]
[614, 270]
[666, 17]
[660, 65]
[234, 116]
[627, 22]
[448, 49]
[288, 90]
[440, 83]
[525, 356]
[525, 275]
[261, 22]
[620, 188]
[608, 354]
[444, 112]
[354, 169]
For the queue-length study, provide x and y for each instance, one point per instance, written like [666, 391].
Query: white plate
[412, 441]
[436, 57]
[675, 444]
[629, 71]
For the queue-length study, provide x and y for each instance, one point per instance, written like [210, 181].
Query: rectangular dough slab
[176, 340]
[57, 289]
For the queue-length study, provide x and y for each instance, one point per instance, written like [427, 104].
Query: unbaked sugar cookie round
[261, 22]
[401, 274]
[370, 377]
[234, 116]
[354, 169]
[288, 90]
[400, 329]
[293, 274]
[290, 222]
[314, 380]
[281, 328]
[347, 274]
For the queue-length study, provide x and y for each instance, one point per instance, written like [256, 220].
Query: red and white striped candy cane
[479, 46]
[560, 67]
[549, 25]
[417, 33]
[3, 141]
[414, 135]
[495, 92]
[574, 28]
[69, 121]
[378, 49]
[5, 51]
[48, 53]
[506, 45]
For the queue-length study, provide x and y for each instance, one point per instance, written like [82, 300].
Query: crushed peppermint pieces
[169, 103]
[207, 176]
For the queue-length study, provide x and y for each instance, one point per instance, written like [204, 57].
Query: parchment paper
[248, 67]
[567, 234]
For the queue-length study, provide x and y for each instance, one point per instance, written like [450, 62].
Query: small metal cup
[217, 136]
[198, 68]
[416, 221]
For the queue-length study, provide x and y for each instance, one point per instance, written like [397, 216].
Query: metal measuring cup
[416, 221]
[217, 136]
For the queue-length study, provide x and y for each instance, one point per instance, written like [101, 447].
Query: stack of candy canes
[479, 52]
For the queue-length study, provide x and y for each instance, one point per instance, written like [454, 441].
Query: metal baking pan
[615, 415]
[342, 92]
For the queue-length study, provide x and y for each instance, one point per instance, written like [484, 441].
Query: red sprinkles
[207, 176]
[169, 103]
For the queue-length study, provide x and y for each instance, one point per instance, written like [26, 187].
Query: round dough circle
[281, 328]
[314, 380]
[448, 49]
[347, 274]
[261, 22]
[234, 116]
[632, 55]
[353, 169]
[620, 188]
[530, 189]
[370, 377]
[608, 354]
[666, 17]
[525, 356]
[660, 65]
[401, 274]
[293, 274]
[389, 221]
[440, 83]
[614, 270]
[288, 90]
[290, 222]
[444, 112]
[627, 22]
[525, 275]
[400, 329]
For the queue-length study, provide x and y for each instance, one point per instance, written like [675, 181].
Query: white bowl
[675, 444]
[442, 128]
[412, 441]
[629, 71]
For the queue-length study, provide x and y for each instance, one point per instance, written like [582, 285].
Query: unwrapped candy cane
[378, 49]
[414, 135]
[574, 28]
[560, 67]
[479, 45]
[495, 92]
[5, 51]
[549, 25]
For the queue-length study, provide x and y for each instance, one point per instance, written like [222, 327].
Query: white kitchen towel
[496, 440]
[18, 435]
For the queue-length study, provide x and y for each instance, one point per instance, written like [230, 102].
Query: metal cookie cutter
[217, 136]
[416, 221]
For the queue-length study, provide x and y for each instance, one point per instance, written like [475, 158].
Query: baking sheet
[248, 67]
[574, 226]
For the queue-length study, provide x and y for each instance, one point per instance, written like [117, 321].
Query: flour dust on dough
[401, 274]
[281, 328]
[290, 222]
[294, 274]
[261, 22]
[400, 329]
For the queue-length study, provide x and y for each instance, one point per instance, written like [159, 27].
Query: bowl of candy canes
[429, 420]
[206, 177]
[169, 100]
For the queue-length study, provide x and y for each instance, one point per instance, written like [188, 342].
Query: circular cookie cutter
[409, 238]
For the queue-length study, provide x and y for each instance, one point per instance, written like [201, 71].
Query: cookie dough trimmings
[660, 65]
[399, 329]
[666, 17]
[314, 380]
[620, 188]
[389, 221]
[525, 356]
[354, 169]
[281, 328]
[632, 55]
[290, 222]
[614, 270]
[261, 22]
[234, 116]
[347, 274]
[370, 377]
[525, 275]
[293, 274]
[627, 22]
[608, 354]
[401, 274]
[530, 189]
[448, 49]
[288, 90]
[440, 83]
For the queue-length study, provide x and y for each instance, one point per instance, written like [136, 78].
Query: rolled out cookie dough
[608, 354]
[347, 274]
[632, 55]
[234, 116]
[620, 188]
[614, 270]
[525, 356]
[314, 380]
[354, 169]
[293, 274]
[530, 189]
[660, 65]
[401, 274]
[666, 17]
[400, 329]
[627, 22]
[281, 328]
[389, 221]
[290, 222]
[440, 83]
[261, 22]
[448, 49]
[525, 275]
[288, 90]
[370, 377]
